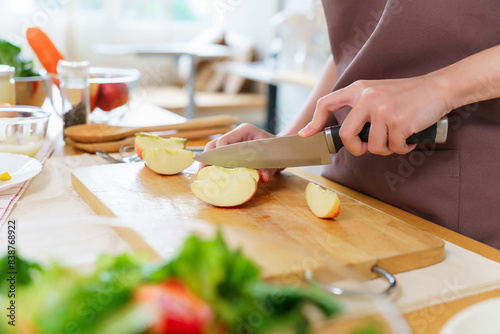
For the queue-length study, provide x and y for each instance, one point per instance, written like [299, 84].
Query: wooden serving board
[359, 238]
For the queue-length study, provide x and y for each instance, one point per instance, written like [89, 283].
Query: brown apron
[455, 184]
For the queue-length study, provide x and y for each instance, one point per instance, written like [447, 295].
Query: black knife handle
[435, 133]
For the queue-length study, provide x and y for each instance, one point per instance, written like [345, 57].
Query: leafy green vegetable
[370, 328]
[10, 54]
[86, 301]
[14, 264]
[230, 284]
[60, 300]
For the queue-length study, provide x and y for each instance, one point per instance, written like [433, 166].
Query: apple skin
[144, 141]
[225, 187]
[167, 162]
[112, 95]
[94, 94]
[324, 203]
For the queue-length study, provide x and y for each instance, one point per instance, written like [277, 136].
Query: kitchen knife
[295, 151]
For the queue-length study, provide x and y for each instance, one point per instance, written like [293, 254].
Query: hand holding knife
[296, 151]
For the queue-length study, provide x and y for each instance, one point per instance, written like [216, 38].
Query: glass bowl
[30, 91]
[22, 129]
[111, 90]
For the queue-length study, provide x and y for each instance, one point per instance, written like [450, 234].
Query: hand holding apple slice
[324, 203]
[167, 162]
[225, 187]
[144, 141]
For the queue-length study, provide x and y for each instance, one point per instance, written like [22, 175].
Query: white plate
[479, 318]
[20, 167]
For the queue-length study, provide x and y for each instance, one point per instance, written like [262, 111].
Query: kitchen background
[289, 34]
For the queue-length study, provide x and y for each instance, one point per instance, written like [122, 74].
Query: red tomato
[112, 95]
[179, 310]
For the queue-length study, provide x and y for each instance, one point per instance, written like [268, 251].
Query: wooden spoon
[114, 146]
[98, 133]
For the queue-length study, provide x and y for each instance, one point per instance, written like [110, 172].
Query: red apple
[94, 94]
[112, 95]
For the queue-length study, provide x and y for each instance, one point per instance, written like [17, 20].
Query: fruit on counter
[215, 172]
[112, 95]
[167, 162]
[144, 141]
[44, 49]
[324, 203]
[4, 176]
[94, 93]
[225, 187]
[177, 309]
[106, 96]
[119, 294]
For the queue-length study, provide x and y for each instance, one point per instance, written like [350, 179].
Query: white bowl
[481, 318]
[22, 129]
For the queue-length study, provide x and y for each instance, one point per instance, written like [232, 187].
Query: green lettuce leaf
[60, 300]
[10, 54]
[23, 269]
[230, 284]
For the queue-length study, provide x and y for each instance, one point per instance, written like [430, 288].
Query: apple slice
[214, 172]
[324, 203]
[144, 141]
[167, 162]
[225, 187]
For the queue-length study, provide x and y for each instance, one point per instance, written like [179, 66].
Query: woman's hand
[243, 132]
[396, 109]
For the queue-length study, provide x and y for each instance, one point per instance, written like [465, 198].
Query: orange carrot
[45, 50]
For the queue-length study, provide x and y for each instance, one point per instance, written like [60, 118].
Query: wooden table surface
[428, 320]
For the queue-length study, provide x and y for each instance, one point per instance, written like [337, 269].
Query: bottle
[7, 85]
[75, 93]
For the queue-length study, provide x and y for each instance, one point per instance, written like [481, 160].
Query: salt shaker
[7, 88]
[74, 86]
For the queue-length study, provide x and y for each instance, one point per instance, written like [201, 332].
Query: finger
[326, 105]
[209, 146]
[397, 143]
[350, 130]
[266, 174]
[377, 139]
[241, 133]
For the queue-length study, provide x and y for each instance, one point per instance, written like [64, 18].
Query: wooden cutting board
[359, 238]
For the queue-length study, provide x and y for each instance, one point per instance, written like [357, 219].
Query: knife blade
[296, 151]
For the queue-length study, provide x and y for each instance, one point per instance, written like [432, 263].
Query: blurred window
[150, 10]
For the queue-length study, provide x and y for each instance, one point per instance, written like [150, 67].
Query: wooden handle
[114, 146]
[191, 124]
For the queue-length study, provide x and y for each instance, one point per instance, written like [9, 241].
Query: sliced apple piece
[144, 141]
[214, 172]
[324, 203]
[225, 187]
[167, 162]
